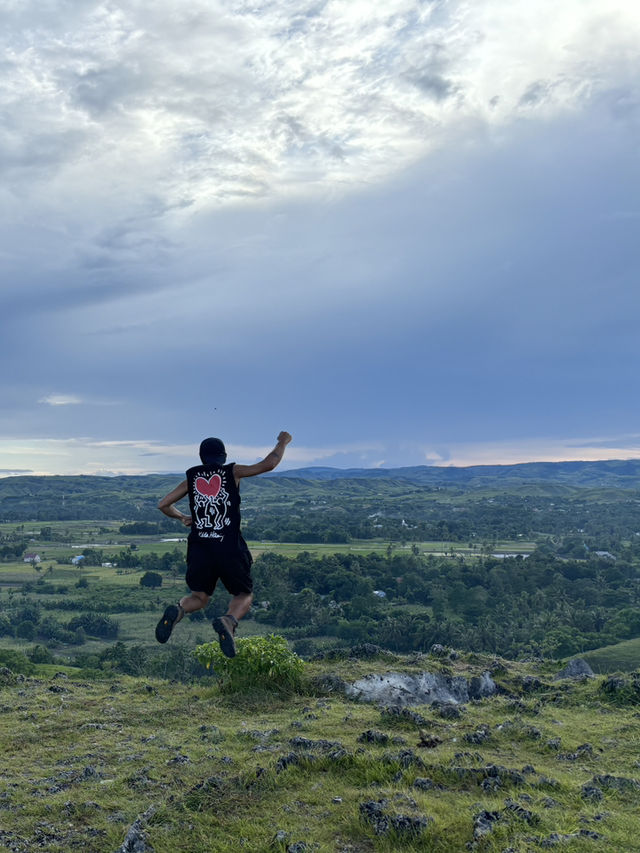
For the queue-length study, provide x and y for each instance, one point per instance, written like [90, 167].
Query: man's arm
[166, 505]
[267, 464]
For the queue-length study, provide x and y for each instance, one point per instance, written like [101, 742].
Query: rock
[591, 792]
[136, 838]
[373, 812]
[376, 814]
[372, 736]
[287, 761]
[522, 813]
[616, 783]
[556, 838]
[407, 825]
[438, 650]
[261, 736]
[576, 668]
[322, 745]
[179, 759]
[585, 750]
[402, 689]
[424, 784]
[399, 711]
[428, 741]
[479, 736]
[482, 686]
[449, 711]
[297, 847]
[90, 773]
[406, 758]
[483, 823]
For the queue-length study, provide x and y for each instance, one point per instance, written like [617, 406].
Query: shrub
[26, 630]
[95, 625]
[40, 654]
[16, 661]
[260, 663]
[151, 579]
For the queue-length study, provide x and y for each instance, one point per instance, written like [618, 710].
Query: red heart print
[209, 487]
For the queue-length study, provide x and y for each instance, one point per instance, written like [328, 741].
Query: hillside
[601, 474]
[68, 498]
[543, 763]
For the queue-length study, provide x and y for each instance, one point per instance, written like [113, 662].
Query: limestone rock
[402, 689]
[576, 668]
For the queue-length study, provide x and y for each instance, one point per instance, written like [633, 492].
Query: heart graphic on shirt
[209, 487]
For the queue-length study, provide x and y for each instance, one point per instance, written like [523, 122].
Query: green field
[624, 657]
[265, 771]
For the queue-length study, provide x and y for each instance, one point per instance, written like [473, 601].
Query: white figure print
[211, 501]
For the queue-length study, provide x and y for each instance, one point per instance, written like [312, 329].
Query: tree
[26, 630]
[151, 579]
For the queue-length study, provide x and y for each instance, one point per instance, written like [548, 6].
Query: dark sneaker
[226, 626]
[166, 623]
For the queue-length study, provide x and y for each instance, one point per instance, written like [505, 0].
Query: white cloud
[91, 456]
[534, 449]
[167, 105]
[60, 400]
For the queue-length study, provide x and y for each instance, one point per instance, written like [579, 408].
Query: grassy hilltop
[543, 763]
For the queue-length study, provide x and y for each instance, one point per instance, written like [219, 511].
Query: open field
[265, 771]
[623, 656]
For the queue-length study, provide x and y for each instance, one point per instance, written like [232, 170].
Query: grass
[623, 656]
[85, 758]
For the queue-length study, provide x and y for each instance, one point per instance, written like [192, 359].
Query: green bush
[40, 654]
[260, 663]
[16, 661]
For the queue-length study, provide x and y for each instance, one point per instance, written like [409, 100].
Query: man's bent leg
[239, 605]
[175, 612]
[194, 601]
[226, 625]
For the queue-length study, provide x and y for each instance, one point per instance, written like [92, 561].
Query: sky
[406, 231]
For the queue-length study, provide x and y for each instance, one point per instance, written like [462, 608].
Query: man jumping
[215, 547]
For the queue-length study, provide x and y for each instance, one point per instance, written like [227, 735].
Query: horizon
[406, 232]
[280, 471]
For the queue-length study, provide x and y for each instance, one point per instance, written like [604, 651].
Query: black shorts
[207, 563]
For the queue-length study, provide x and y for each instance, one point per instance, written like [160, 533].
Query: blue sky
[407, 232]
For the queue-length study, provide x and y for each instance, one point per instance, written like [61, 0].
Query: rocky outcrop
[576, 668]
[402, 689]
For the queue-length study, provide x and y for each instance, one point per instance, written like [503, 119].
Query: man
[215, 547]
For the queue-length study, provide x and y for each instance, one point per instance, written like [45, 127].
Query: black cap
[213, 452]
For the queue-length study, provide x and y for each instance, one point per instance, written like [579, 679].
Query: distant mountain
[133, 498]
[623, 473]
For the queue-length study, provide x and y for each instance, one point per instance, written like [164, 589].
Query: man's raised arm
[270, 461]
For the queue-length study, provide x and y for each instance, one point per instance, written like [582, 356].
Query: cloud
[61, 400]
[218, 103]
[117, 457]
[370, 223]
[535, 449]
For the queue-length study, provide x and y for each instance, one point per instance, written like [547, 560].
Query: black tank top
[214, 501]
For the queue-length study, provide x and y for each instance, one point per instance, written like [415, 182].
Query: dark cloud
[535, 94]
[435, 86]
